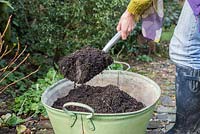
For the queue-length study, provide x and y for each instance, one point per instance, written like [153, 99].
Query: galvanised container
[71, 122]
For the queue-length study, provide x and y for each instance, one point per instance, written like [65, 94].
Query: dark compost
[109, 99]
[84, 64]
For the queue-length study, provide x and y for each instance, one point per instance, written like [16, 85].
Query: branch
[18, 56]
[4, 88]
[4, 53]
[15, 68]
[14, 60]
[1, 43]
[7, 25]
[17, 52]
[9, 51]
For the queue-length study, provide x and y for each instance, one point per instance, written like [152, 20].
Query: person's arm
[137, 7]
[127, 20]
[195, 5]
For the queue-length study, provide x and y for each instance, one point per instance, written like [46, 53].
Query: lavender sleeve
[195, 5]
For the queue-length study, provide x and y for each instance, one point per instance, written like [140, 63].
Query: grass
[167, 34]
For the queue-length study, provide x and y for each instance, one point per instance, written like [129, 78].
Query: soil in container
[84, 64]
[109, 99]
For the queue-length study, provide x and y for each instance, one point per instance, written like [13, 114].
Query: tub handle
[74, 117]
[78, 105]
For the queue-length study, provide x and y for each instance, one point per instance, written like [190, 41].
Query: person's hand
[126, 24]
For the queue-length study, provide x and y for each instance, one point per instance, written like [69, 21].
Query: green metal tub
[71, 122]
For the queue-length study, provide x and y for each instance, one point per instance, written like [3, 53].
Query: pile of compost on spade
[84, 64]
[109, 99]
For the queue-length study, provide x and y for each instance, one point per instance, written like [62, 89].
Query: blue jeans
[184, 48]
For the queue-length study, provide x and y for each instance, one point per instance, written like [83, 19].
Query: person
[184, 51]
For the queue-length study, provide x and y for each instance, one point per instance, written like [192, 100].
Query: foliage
[29, 102]
[144, 58]
[116, 66]
[21, 86]
[172, 11]
[10, 120]
[55, 27]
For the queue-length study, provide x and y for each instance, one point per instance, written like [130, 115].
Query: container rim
[147, 108]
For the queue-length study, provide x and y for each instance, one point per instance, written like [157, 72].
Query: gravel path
[163, 73]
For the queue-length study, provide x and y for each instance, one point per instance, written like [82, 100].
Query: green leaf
[21, 129]
[116, 66]
[13, 120]
[34, 106]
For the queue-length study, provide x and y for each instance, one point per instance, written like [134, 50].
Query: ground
[162, 71]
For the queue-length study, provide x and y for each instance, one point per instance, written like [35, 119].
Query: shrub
[30, 101]
[53, 28]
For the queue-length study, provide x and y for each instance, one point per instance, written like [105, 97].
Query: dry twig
[15, 59]
[7, 25]
[4, 88]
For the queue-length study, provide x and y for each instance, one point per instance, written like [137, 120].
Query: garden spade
[112, 42]
[84, 64]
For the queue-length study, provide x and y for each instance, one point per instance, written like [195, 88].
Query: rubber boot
[187, 101]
